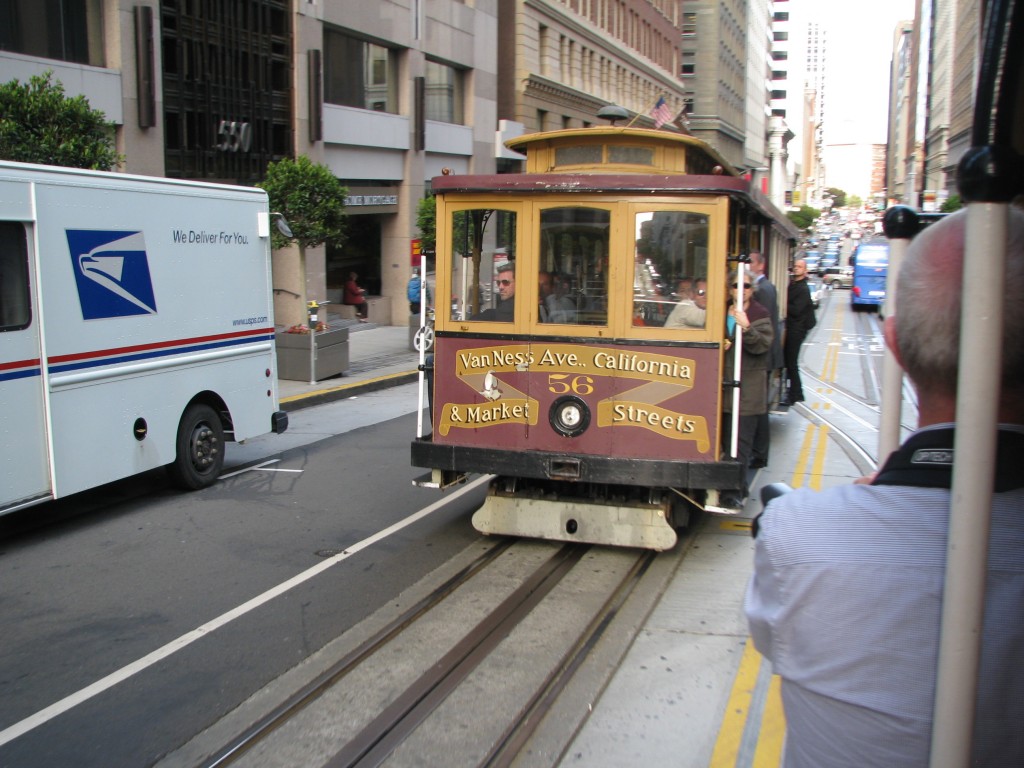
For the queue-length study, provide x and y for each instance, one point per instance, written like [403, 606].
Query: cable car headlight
[569, 416]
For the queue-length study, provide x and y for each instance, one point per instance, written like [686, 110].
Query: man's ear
[889, 332]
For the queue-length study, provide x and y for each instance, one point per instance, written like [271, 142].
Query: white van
[136, 328]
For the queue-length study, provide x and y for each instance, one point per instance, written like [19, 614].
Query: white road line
[69, 702]
[248, 469]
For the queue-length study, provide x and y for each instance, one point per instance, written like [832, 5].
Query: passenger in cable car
[691, 312]
[504, 310]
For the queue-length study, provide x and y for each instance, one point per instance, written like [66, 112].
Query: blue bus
[870, 268]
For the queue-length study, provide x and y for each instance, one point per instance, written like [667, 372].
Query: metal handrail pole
[901, 224]
[978, 387]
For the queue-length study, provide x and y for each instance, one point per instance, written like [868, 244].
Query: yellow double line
[801, 476]
[831, 362]
[770, 730]
[772, 726]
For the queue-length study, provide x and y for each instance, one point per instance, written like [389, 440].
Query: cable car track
[852, 417]
[381, 732]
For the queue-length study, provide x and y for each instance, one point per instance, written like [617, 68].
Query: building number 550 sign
[233, 136]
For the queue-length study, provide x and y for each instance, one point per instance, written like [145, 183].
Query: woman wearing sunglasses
[751, 319]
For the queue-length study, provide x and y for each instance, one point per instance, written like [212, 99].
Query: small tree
[951, 203]
[39, 124]
[426, 222]
[838, 197]
[804, 217]
[312, 201]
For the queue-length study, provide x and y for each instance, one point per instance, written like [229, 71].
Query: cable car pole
[988, 180]
[900, 224]
[737, 367]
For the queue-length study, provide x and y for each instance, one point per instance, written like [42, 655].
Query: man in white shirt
[845, 600]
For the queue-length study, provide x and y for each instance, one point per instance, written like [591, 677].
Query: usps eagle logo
[112, 273]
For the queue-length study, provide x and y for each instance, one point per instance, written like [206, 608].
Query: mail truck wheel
[200, 448]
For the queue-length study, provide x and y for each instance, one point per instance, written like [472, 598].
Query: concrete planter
[330, 354]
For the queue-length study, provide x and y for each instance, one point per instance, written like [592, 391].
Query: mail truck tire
[200, 448]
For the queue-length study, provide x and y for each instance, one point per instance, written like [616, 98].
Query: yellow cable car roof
[674, 149]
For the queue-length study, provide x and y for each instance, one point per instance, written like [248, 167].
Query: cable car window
[670, 269]
[574, 253]
[631, 155]
[589, 154]
[483, 264]
[15, 310]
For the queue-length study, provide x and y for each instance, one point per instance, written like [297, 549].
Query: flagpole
[637, 115]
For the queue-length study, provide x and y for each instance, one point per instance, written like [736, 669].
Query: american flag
[661, 113]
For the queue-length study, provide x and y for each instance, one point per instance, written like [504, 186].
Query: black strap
[926, 461]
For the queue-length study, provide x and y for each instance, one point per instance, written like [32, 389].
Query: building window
[689, 25]
[780, 55]
[227, 95]
[358, 73]
[689, 66]
[779, 37]
[66, 30]
[444, 97]
[781, 16]
[778, 94]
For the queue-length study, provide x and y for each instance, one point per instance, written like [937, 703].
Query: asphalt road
[134, 595]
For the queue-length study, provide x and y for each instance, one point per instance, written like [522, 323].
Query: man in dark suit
[800, 320]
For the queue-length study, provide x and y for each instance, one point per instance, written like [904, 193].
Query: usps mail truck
[136, 329]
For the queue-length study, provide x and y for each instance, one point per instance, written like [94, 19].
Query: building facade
[938, 108]
[900, 134]
[562, 60]
[385, 94]
[714, 71]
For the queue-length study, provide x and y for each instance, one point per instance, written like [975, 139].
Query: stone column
[778, 137]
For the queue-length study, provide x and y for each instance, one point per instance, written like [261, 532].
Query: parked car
[830, 259]
[838, 277]
[817, 289]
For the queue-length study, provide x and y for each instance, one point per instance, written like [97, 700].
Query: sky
[859, 51]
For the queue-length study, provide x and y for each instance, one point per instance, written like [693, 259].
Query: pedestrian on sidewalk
[355, 296]
[799, 322]
[417, 287]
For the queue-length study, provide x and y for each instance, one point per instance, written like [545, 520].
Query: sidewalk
[379, 357]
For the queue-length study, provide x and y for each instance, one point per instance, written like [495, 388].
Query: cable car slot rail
[374, 741]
